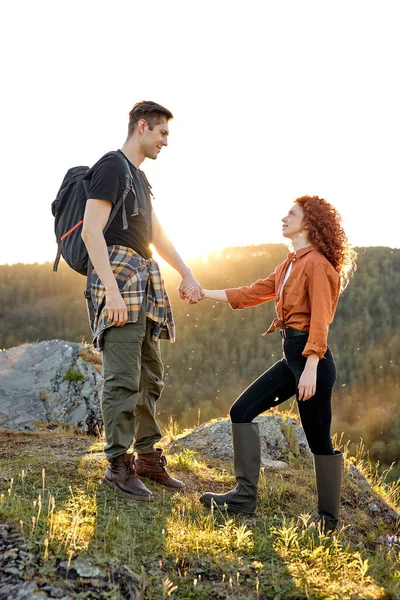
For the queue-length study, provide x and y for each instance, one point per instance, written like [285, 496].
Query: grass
[175, 548]
[90, 355]
[73, 375]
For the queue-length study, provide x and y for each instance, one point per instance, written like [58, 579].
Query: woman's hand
[190, 289]
[308, 379]
[217, 295]
[194, 295]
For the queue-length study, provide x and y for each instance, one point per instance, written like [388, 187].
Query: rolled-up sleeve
[323, 291]
[258, 292]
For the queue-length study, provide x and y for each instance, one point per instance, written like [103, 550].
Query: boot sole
[113, 486]
[230, 508]
[170, 487]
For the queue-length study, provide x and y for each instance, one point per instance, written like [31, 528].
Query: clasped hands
[190, 289]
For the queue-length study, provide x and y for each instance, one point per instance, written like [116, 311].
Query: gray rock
[11, 570]
[214, 439]
[78, 413]
[54, 592]
[26, 590]
[83, 567]
[273, 464]
[359, 479]
[33, 386]
[393, 514]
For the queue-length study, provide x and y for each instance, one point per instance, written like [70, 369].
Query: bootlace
[132, 468]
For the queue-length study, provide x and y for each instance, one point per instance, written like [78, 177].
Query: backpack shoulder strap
[147, 183]
[129, 187]
[121, 202]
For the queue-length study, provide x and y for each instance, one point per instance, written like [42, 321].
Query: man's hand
[190, 289]
[116, 308]
[308, 379]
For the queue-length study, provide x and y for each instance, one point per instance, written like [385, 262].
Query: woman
[306, 289]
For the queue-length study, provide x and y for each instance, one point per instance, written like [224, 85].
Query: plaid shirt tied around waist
[138, 280]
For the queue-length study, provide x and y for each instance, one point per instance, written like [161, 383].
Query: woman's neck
[299, 242]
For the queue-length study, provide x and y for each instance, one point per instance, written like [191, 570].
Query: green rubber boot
[329, 479]
[247, 462]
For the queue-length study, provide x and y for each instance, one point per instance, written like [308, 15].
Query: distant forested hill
[219, 351]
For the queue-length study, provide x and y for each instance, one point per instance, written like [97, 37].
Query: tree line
[220, 351]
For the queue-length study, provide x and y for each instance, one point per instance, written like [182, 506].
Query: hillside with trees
[219, 351]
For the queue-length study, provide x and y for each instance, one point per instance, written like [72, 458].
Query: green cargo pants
[133, 382]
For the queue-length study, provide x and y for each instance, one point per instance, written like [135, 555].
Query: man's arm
[94, 221]
[168, 252]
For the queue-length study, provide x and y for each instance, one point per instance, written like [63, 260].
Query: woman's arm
[218, 295]
[308, 379]
[242, 297]
[258, 292]
[323, 293]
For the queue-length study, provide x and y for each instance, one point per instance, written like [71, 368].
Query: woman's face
[293, 222]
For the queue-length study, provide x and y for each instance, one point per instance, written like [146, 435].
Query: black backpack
[68, 210]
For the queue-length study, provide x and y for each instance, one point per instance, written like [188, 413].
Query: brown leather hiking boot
[153, 466]
[121, 476]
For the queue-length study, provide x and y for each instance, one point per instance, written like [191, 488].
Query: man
[129, 307]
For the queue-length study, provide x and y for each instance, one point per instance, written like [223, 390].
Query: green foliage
[318, 559]
[289, 431]
[185, 460]
[219, 352]
[73, 375]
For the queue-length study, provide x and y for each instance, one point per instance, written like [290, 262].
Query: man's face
[152, 140]
[293, 222]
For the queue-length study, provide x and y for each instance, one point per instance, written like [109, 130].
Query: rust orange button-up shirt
[308, 300]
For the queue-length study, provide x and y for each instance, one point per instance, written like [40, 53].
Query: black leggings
[281, 382]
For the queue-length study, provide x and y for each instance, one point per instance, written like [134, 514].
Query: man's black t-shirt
[108, 183]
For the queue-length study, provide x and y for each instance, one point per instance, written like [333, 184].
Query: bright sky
[271, 100]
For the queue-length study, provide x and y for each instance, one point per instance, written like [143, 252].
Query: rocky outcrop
[21, 574]
[56, 382]
[48, 382]
[280, 437]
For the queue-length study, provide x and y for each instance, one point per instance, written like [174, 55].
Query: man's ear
[142, 124]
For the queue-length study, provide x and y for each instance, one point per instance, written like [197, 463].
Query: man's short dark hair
[152, 112]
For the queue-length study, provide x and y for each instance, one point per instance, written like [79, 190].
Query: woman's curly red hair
[325, 232]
